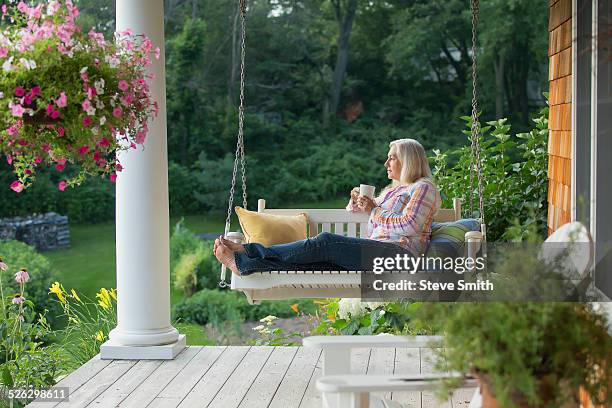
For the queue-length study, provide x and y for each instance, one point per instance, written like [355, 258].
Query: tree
[344, 13]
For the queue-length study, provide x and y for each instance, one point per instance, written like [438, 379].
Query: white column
[142, 219]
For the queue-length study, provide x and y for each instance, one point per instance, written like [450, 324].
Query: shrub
[192, 262]
[185, 277]
[182, 241]
[210, 306]
[24, 256]
[218, 307]
[513, 188]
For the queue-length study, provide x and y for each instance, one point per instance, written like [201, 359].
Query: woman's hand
[354, 194]
[365, 204]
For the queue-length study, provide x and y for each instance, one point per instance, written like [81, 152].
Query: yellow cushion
[271, 229]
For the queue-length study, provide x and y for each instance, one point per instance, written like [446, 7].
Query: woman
[400, 222]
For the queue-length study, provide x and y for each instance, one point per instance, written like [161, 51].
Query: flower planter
[99, 102]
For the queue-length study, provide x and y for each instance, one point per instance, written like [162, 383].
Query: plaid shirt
[404, 214]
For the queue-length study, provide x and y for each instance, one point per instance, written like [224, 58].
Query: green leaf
[7, 378]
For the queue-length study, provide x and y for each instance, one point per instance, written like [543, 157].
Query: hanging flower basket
[69, 96]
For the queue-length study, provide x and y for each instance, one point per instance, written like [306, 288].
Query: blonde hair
[415, 165]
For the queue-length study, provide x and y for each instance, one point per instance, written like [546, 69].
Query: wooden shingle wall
[560, 116]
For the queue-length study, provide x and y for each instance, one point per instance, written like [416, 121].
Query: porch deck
[236, 376]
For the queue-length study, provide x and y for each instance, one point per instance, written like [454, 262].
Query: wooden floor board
[294, 384]
[239, 377]
[205, 390]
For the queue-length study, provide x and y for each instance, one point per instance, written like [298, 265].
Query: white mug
[366, 190]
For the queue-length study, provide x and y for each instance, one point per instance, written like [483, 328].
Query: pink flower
[113, 177]
[38, 160]
[140, 137]
[55, 115]
[4, 10]
[12, 131]
[19, 91]
[17, 110]
[23, 142]
[16, 186]
[49, 109]
[27, 99]
[18, 299]
[22, 276]
[117, 112]
[91, 92]
[9, 160]
[45, 147]
[61, 185]
[157, 52]
[102, 163]
[118, 167]
[35, 91]
[3, 51]
[132, 145]
[60, 166]
[123, 85]
[22, 7]
[86, 104]
[87, 121]
[61, 131]
[27, 171]
[103, 142]
[83, 150]
[96, 155]
[62, 101]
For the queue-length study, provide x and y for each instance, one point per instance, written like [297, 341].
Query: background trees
[329, 83]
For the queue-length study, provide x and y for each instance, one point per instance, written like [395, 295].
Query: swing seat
[275, 285]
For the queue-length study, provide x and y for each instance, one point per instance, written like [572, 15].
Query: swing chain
[239, 156]
[475, 139]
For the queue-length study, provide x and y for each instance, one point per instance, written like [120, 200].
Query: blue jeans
[325, 252]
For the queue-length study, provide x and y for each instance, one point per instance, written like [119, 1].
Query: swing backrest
[340, 221]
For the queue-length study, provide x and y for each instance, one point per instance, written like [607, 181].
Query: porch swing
[275, 285]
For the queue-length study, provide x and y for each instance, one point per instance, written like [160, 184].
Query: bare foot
[225, 255]
[232, 245]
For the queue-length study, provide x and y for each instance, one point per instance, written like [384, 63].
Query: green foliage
[270, 335]
[185, 277]
[220, 307]
[192, 262]
[513, 187]
[21, 255]
[24, 362]
[397, 69]
[536, 351]
[88, 323]
[354, 317]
